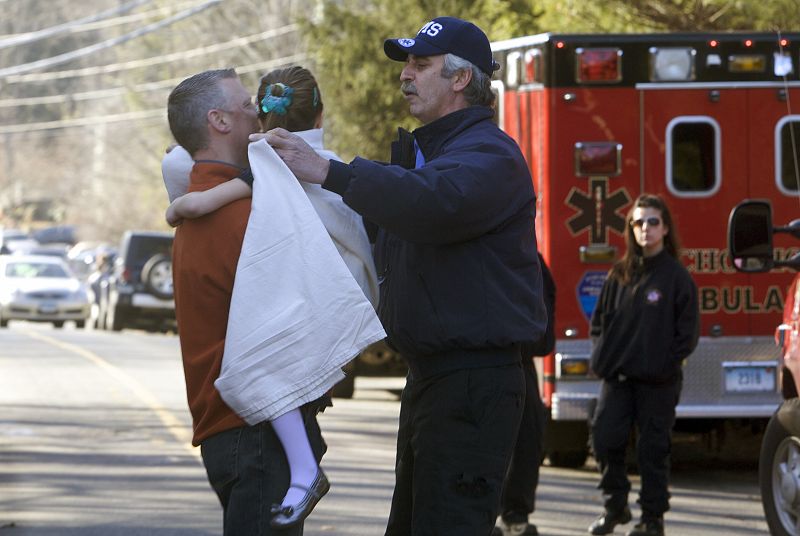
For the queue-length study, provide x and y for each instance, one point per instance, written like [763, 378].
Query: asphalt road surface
[94, 440]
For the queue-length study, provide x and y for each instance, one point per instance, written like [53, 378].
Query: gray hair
[479, 91]
[189, 103]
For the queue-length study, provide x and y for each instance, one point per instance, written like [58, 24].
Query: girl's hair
[289, 98]
[631, 263]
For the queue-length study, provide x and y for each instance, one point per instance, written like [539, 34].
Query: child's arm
[196, 204]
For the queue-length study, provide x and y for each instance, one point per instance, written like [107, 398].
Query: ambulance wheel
[566, 443]
[570, 458]
[779, 472]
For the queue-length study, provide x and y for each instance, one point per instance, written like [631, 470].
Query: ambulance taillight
[599, 158]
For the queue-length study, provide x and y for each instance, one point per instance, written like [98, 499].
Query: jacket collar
[434, 135]
[651, 262]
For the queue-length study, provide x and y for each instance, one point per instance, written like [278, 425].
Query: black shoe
[515, 529]
[605, 523]
[653, 526]
[292, 514]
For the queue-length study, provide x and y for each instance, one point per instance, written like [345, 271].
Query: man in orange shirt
[211, 115]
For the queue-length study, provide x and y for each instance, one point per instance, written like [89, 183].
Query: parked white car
[41, 288]
[14, 240]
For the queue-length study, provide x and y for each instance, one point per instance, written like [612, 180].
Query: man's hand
[298, 156]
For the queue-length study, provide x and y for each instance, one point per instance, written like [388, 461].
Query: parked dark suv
[138, 292]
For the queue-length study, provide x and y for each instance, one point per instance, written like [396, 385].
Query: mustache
[408, 88]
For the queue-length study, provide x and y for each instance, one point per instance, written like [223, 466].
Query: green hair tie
[274, 103]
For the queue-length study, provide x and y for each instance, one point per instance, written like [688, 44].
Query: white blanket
[297, 315]
[343, 224]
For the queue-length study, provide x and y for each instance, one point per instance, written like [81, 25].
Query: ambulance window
[787, 154]
[499, 97]
[693, 156]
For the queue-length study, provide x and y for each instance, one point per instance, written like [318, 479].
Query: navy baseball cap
[445, 35]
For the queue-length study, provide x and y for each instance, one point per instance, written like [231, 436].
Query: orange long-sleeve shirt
[204, 256]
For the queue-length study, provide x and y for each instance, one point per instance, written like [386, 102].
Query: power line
[69, 56]
[87, 95]
[148, 62]
[29, 37]
[118, 21]
[83, 121]
[139, 88]
[133, 116]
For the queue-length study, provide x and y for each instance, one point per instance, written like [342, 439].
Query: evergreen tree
[361, 86]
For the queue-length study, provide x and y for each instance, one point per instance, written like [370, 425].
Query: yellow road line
[173, 425]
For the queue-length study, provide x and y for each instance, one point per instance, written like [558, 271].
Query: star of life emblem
[406, 42]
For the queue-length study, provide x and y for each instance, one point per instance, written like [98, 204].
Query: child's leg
[302, 465]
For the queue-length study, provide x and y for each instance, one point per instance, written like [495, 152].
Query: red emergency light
[598, 65]
[599, 158]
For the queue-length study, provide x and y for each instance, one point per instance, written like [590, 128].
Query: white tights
[303, 466]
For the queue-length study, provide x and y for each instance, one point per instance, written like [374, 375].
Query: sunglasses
[652, 221]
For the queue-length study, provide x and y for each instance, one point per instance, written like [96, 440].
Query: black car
[138, 290]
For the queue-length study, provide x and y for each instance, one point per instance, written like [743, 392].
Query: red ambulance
[703, 120]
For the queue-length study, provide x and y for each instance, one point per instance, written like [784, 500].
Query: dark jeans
[454, 443]
[652, 409]
[519, 491]
[248, 470]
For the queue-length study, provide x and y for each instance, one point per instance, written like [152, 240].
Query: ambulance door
[695, 152]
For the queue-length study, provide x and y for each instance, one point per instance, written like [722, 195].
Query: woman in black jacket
[645, 324]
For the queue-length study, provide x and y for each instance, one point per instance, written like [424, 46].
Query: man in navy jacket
[461, 285]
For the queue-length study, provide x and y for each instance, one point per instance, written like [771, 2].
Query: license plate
[749, 378]
[48, 308]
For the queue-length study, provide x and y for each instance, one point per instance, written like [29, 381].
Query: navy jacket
[644, 330]
[456, 250]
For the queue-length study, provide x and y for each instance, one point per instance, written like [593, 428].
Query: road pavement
[94, 440]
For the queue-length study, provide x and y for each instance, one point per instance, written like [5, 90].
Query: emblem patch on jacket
[653, 296]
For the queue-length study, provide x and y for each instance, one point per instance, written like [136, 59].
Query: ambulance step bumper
[572, 406]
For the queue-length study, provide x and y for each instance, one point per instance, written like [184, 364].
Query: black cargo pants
[519, 491]
[651, 408]
[457, 431]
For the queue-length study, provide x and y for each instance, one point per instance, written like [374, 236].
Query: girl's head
[649, 230]
[289, 98]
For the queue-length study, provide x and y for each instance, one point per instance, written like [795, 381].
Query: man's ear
[462, 79]
[218, 120]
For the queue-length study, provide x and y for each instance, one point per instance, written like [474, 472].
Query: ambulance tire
[571, 459]
[778, 474]
[566, 443]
